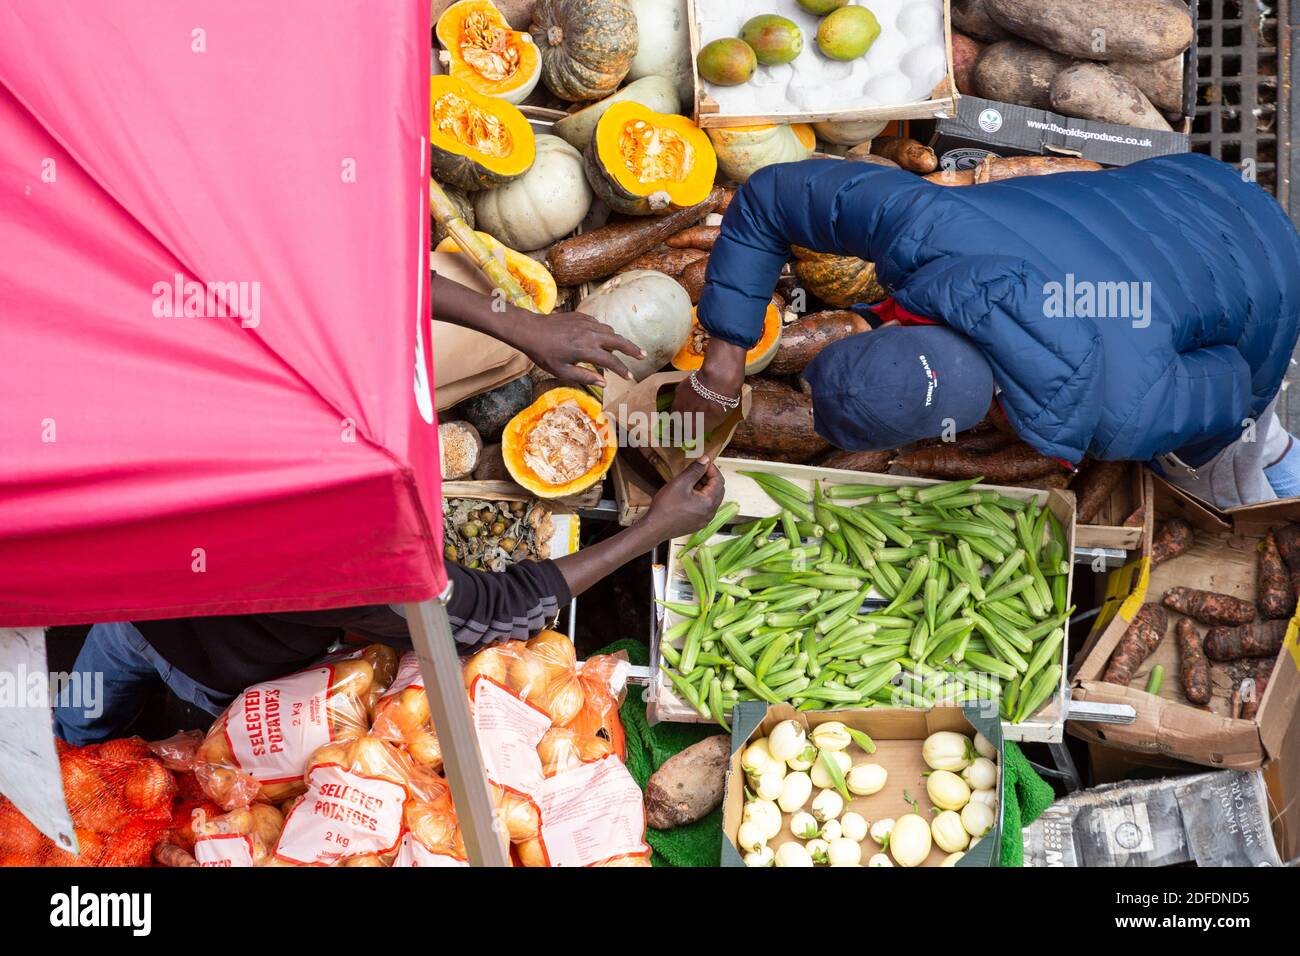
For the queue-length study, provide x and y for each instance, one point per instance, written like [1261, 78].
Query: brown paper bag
[655, 435]
[467, 363]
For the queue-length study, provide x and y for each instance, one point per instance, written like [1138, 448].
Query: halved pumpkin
[691, 355]
[476, 141]
[559, 445]
[744, 150]
[479, 48]
[528, 272]
[642, 162]
[841, 281]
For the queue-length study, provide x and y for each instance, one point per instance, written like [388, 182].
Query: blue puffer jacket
[1194, 338]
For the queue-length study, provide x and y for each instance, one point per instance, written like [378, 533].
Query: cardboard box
[898, 735]
[1046, 726]
[1223, 558]
[706, 112]
[1108, 529]
[986, 127]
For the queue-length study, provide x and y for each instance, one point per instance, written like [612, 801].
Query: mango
[847, 33]
[727, 62]
[774, 39]
[821, 7]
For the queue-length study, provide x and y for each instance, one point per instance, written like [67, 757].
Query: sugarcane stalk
[448, 216]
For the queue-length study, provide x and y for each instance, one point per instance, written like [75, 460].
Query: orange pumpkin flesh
[559, 445]
[476, 141]
[691, 355]
[528, 272]
[481, 50]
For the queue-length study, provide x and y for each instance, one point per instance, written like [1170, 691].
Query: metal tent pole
[449, 707]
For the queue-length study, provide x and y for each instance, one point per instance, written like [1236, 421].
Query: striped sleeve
[506, 605]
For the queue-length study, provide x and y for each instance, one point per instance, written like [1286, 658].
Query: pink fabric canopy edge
[277, 450]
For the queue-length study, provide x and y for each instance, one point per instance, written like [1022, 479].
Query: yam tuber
[1010, 464]
[911, 155]
[1209, 607]
[1276, 598]
[803, 339]
[1174, 537]
[952, 177]
[1261, 639]
[599, 253]
[779, 424]
[688, 786]
[670, 262]
[1094, 485]
[993, 169]
[862, 154]
[874, 461]
[1195, 667]
[1141, 638]
[1250, 702]
[692, 279]
[1288, 545]
[696, 237]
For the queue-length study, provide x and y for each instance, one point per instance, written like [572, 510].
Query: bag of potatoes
[243, 837]
[257, 748]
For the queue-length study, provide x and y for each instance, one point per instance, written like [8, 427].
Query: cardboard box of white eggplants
[875, 631]
[1225, 644]
[875, 787]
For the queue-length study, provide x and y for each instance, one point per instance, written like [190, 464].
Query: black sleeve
[489, 606]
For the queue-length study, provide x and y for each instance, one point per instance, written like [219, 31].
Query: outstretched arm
[833, 206]
[556, 342]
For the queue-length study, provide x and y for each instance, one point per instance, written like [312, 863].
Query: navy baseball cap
[896, 385]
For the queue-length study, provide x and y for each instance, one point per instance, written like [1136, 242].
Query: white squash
[647, 308]
[543, 205]
[656, 93]
[664, 47]
[850, 132]
[744, 150]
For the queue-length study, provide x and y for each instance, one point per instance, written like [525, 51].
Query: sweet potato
[692, 279]
[1095, 92]
[1013, 463]
[668, 261]
[688, 785]
[965, 51]
[911, 155]
[802, 339]
[1137, 518]
[994, 168]
[1142, 30]
[695, 237]
[1174, 537]
[780, 423]
[1161, 82]
[597, 254]
[1194, 666]
[1094, 485]
[1288, 545]
[1143, 635]
[1250, 703]
[1261, 639]
[1275, 597]
[972, 18]
[1209, 607]
[1013, 71]
[874, 461]
[862, 154]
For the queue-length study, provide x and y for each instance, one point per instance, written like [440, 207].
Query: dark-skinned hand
[558, 342]
[688, 502]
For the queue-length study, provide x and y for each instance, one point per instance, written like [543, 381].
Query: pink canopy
[214, 388]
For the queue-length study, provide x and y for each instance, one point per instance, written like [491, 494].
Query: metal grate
[1244, 87]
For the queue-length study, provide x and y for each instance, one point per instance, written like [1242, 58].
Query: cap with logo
[896, 385]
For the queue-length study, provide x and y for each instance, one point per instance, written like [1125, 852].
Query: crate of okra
[828, 589]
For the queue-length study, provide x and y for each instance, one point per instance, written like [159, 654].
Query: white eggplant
[827, 805]
[763, 856]
[947, 750]
[978, 818]
[854, 826]
[831, 735]
[866, 779]
[755, 758]
[805, 760]
[880, 831]
[795, 791]
[821, 777]
[952, 858]
[880, 859]
[793, 853]
[786, 740]
[909, 841]
[766, 814]
[751, 836]
[831, 830]
[984, 748]
[819, 850]
[987, 797]
[947, 790]
[770, 782]
[804, 826]
[948, 832]
[845, 852]
[982, 774]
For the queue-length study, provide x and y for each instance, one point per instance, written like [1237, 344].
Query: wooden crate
[1045, 726]
[706, 111]
[1109, 530]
